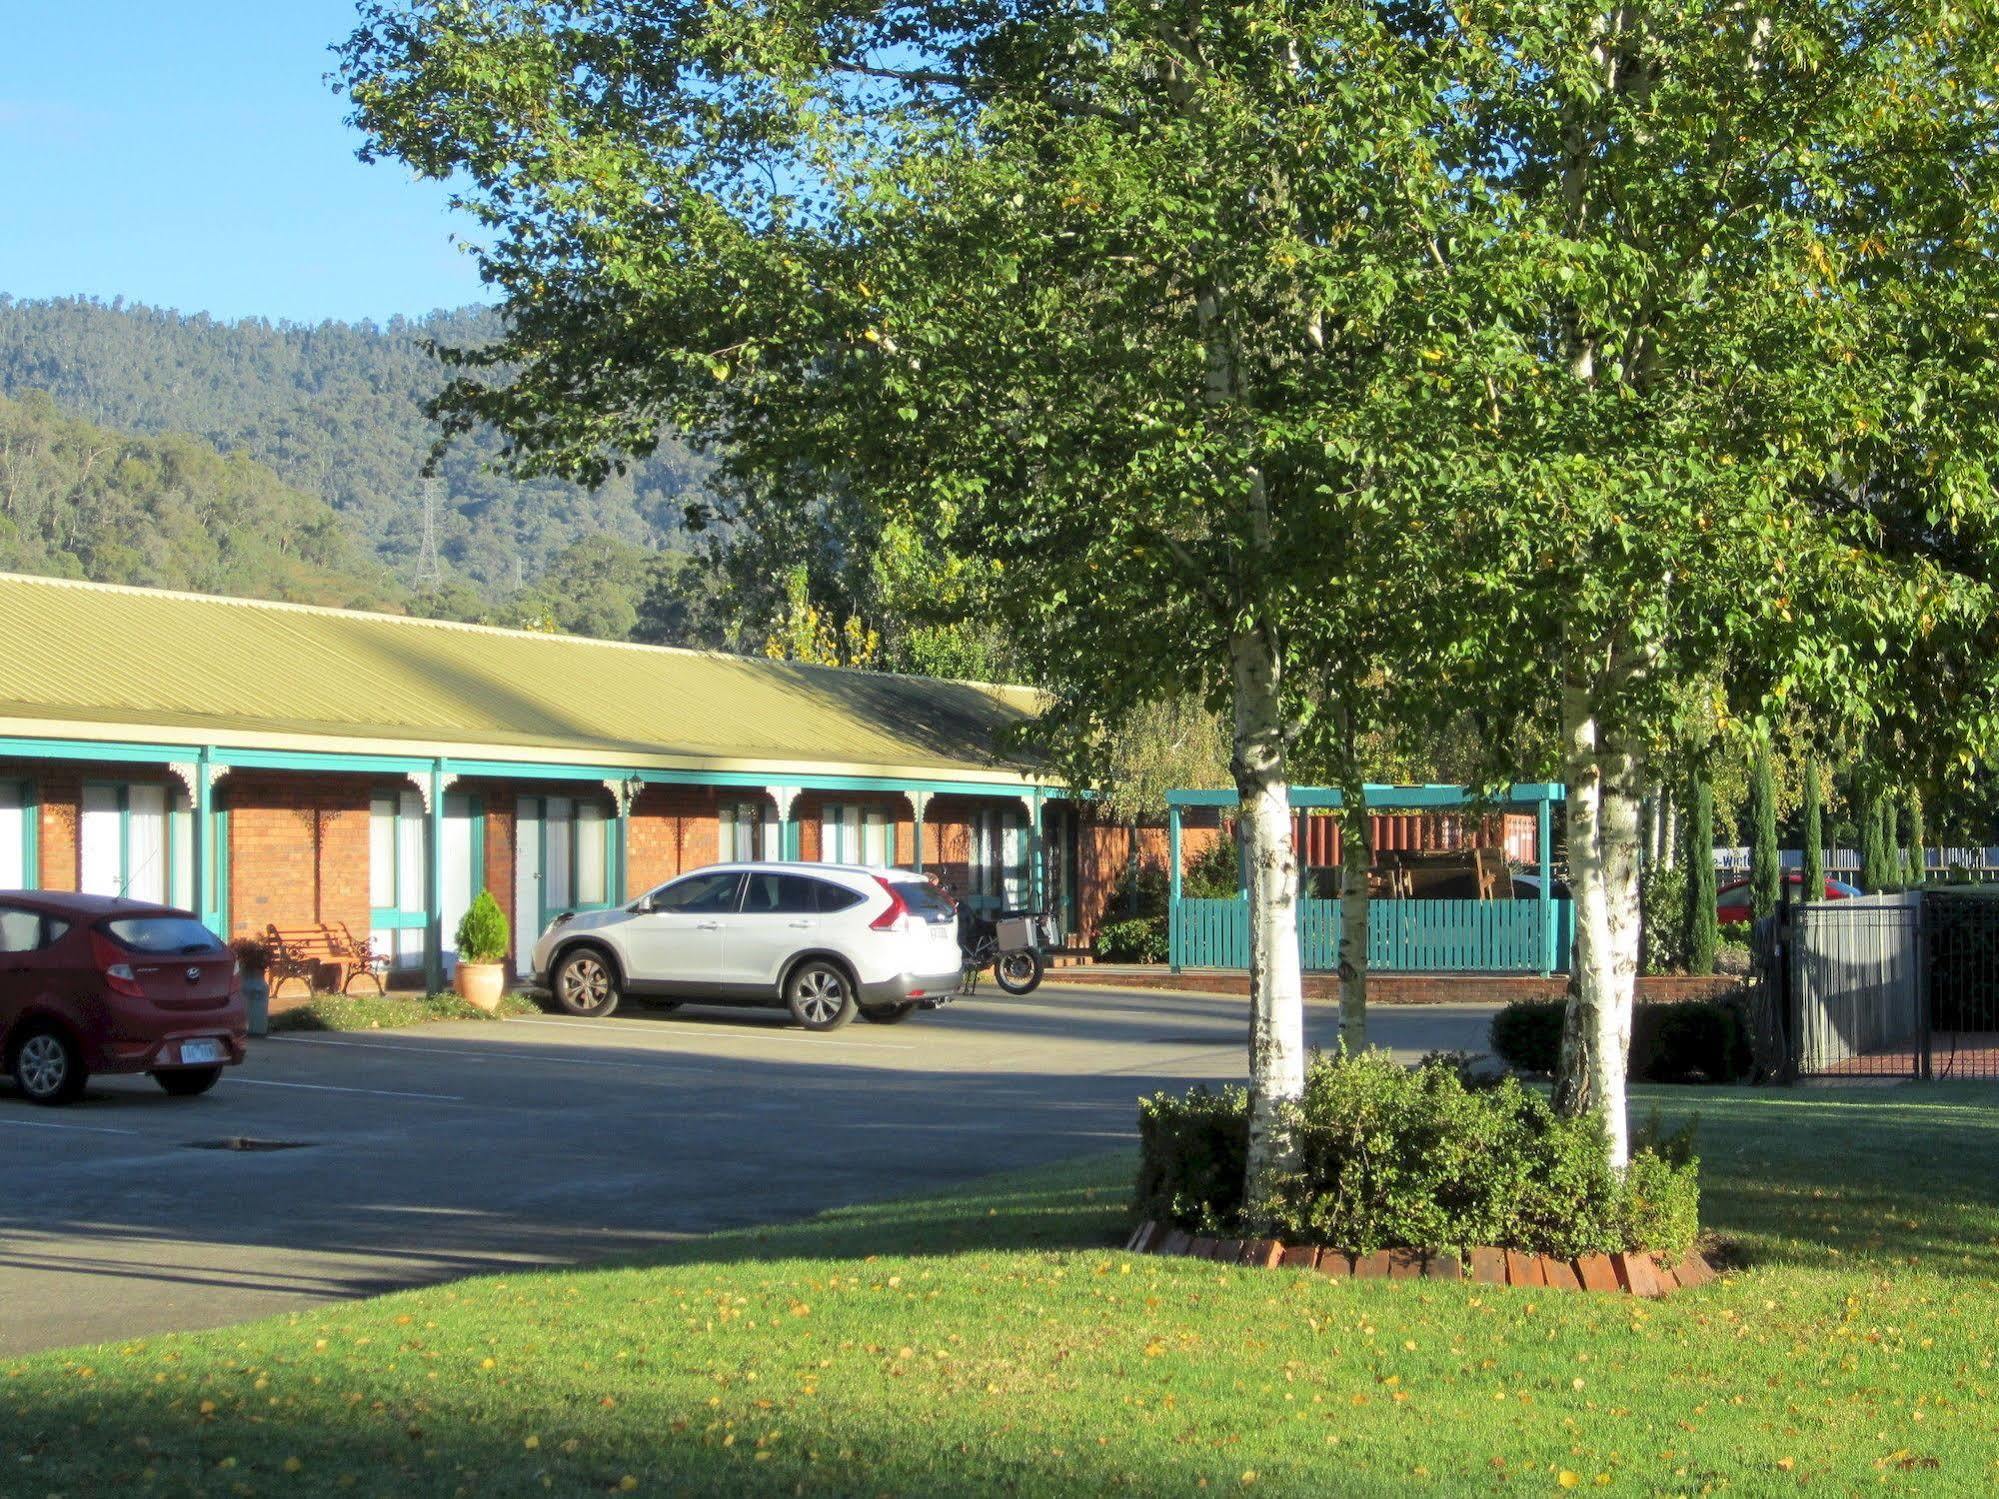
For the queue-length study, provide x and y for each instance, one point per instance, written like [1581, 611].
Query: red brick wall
[298, 849]
[1104, 851]
[498, 850]
[672, 829]
[61, 793]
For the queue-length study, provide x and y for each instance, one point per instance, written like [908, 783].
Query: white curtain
[13, 836]
[180, 840]
[877, 838]
[527, 879]
[559, 813]
[456, 897]
[748, 833]
[100, 845]
[840, 834]
[591, 855]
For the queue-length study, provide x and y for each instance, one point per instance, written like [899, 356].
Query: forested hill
[334, 409]
[78, 500]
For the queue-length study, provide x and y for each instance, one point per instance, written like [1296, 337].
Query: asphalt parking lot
[416, 1156]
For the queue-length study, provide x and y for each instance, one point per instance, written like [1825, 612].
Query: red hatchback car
[90, 984]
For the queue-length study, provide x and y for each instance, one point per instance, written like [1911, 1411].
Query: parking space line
[265, 1082]
[703, 1034]
[88, 1129]
[545, 1057]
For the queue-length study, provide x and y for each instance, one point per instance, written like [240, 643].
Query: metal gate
[1856, 988]
[1961, 971]
[1891, 986]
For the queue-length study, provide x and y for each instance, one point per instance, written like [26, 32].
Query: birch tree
[1130, 302]
[1749, 243]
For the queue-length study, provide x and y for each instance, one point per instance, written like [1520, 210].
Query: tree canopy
[1616, 346]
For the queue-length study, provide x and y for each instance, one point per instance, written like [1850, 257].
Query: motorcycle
[1010, 946]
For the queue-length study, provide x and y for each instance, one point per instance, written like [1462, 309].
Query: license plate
[197, 1053]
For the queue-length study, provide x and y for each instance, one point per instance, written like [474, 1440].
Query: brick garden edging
[1625, 1274]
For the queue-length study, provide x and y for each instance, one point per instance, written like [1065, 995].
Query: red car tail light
[894, 919]
[118, 975]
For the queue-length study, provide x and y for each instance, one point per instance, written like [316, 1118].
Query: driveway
[417, 1156]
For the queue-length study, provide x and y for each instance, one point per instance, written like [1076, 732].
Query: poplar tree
[1766, 877]
[1876, 874]
[1811, 820]
[1918, 861]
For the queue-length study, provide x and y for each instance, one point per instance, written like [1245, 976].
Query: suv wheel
[48, 1067]
[585, 983]
[820, 996]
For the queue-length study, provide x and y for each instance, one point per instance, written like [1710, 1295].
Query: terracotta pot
[481, 984]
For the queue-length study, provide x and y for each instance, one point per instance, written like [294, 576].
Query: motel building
[267, 764]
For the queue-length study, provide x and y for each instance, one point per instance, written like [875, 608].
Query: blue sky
[189, 155]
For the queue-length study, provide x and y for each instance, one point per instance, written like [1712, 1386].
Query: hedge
[1413, 1158]
[1140, 940]
[1671, 1041]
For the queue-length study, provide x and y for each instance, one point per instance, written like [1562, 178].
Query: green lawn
[991, 1341]
[381, 1012]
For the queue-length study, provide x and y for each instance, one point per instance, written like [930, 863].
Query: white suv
[826, 940]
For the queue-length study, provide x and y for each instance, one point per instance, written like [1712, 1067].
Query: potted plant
[253, 959]
[481, 977]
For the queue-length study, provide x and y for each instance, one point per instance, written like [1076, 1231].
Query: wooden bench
[366, 960]
[300, 952]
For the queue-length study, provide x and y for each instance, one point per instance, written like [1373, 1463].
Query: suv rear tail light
[896, 917]
[118, 975]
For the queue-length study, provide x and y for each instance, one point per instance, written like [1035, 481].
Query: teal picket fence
[1403, 936]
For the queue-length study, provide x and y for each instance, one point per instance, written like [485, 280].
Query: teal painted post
[620, 841]
[1175, 917]
[1544, 839]
[433, 883]
[789, 841]
[919, 804]
[31, 835]
[1037, 854]
[204, 846]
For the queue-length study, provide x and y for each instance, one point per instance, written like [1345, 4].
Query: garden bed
[1631, 1274]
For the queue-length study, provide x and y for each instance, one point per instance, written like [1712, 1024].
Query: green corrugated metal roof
[90, 654]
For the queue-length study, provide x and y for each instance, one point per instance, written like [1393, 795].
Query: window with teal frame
[136, 839]
[853, 834]
[398, 839]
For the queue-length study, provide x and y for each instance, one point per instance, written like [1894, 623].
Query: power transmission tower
[429, 571]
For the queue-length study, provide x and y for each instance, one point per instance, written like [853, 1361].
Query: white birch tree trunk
[1603, 838]
[1276, 989]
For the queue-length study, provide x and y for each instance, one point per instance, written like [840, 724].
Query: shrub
[1192, 1154]
[1394, 1157]
[1527, 1034]
[253, 955]
[1671, 1041]
[482, 931]
[1706, 1038]
[1141, 891]
[1662, 905]
[1215, 873]
[1735, 933]
[1139, 941]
